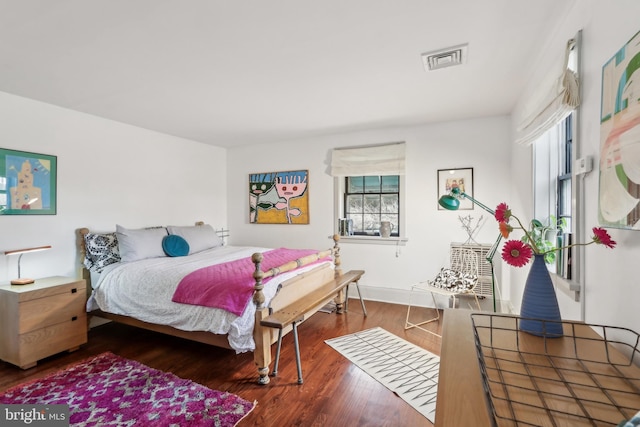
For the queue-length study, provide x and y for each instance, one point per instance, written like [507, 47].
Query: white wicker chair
[460, 279]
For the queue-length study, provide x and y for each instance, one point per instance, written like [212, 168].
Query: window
[369, 200]
[369, 189]
[553, 194]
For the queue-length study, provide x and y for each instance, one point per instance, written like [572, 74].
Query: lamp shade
[27, 250]
[449, 202]
[21, 280]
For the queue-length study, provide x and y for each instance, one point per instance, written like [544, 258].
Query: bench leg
[346, 298]
[364, 310]
[275, 365]
[346, 303]
[295, 340]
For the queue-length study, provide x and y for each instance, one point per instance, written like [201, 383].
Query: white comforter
[143, 290]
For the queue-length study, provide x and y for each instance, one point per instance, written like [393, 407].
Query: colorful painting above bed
[279, 197]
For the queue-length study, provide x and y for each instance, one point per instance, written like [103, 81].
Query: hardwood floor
[335, 392]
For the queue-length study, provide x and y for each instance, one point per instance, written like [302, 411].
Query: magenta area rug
[109, 390]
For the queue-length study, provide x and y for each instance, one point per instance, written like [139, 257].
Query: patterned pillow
[101, 250]
[455, 281]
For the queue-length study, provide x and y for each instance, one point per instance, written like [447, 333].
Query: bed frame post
[341, 297]
[261, 334]
[83, 272]
[336, 255]
[258, 295]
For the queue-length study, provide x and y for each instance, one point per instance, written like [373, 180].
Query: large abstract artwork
[279, 197]
[27, 183]
[619, 194]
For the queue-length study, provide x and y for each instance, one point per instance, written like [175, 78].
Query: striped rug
[404, 368]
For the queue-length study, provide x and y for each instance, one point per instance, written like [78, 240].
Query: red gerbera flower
[601, 237]
[503, 213]
[505, 229]
[516, 253]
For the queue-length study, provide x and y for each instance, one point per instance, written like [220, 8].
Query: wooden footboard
[290, 290]
[264, 337]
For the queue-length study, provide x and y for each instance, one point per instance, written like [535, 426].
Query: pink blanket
[229, 286]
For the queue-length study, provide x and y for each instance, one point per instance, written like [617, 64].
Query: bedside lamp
[20, 252]
[451, 202]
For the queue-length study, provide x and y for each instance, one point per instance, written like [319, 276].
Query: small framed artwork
[279, 197]
[448, 179]
[27, 183]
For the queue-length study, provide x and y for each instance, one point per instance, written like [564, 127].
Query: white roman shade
[387, 159]
[557, 99]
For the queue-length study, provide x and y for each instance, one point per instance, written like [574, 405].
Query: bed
[137, 277]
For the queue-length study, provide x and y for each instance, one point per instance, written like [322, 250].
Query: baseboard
[403, 297]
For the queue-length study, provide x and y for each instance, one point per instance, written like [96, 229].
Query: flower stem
[567, 247]
[532, 243]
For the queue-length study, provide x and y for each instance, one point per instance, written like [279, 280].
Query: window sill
[375, 240]
[568, 287]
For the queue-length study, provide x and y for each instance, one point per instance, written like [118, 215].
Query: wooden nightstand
[42, 319]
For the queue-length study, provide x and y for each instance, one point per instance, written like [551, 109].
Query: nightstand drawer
[38, 313]
[38, 344]
[44, 288]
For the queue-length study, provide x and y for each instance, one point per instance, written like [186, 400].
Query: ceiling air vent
[442, 58]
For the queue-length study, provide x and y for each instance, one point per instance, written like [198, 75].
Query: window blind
[387, 159]
[556, 101]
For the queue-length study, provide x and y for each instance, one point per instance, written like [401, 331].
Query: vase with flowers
[539, 299]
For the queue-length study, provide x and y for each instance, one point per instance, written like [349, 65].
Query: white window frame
[545, 192]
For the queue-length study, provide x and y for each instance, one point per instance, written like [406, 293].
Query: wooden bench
[295, 313]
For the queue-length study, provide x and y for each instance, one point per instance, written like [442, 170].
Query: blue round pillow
[174, 245]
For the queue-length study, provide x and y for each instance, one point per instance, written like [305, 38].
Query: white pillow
[141, 243]
[199, 237]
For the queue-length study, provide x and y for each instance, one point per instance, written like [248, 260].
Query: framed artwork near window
[619, 191]
[27, 183]
[279, 197]
[456, 178]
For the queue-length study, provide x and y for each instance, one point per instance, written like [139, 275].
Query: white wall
[108, 173]
[482, 144]
[611, 285]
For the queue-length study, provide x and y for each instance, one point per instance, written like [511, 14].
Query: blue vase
[539, 301]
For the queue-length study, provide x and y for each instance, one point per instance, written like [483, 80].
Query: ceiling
[240, 72]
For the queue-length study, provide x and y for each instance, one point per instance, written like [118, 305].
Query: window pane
[372, 203]
[357, 222]
[372, 184]
[564, 198]
[371, 223]
[391, 184]
[355, 184]
[390, 203]
[568, 141]
[354, 204]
